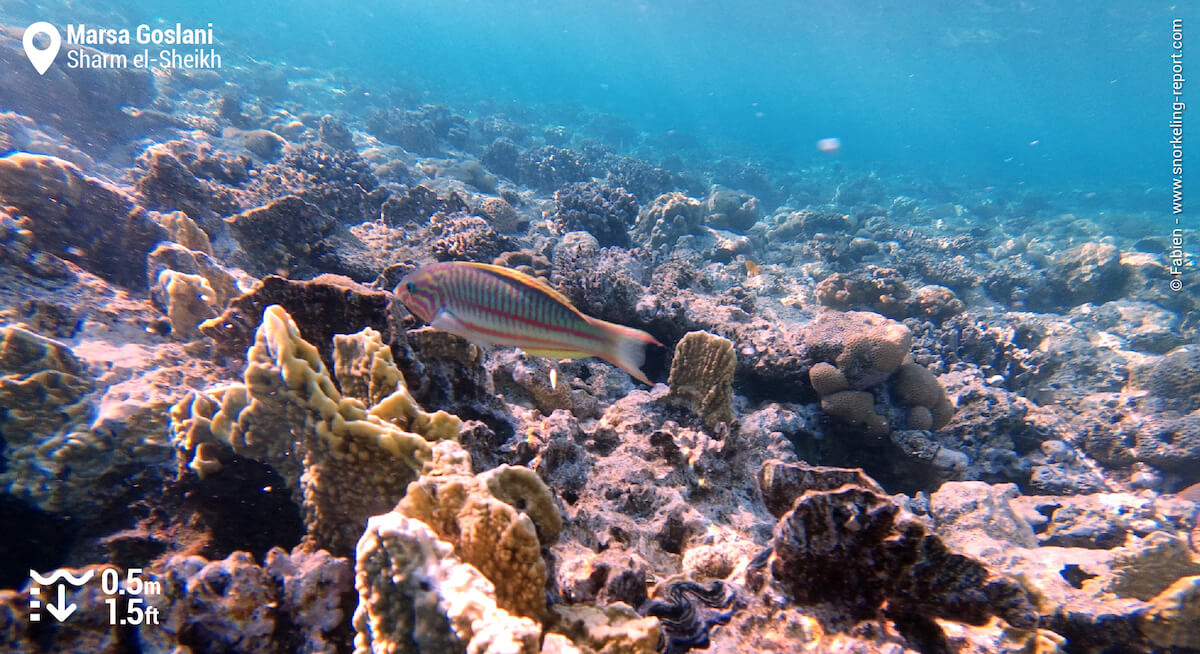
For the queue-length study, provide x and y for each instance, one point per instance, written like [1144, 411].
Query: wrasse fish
[491, 305]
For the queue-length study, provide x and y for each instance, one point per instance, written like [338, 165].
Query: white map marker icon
[41, 59]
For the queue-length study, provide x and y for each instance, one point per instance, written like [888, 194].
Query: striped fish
[490, 305]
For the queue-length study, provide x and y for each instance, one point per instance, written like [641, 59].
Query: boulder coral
[668, 217]
[855, 351]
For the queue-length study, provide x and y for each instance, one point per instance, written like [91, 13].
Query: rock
[79, 218]
[1173, 620]
[335, 134]
[310, 302]
[291, 236]
[1091, 272]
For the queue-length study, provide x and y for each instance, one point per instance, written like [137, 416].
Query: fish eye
[412, 287]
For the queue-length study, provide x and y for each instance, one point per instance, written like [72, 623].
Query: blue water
[1048, 94]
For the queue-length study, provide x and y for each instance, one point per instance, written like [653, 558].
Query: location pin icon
[41, 59]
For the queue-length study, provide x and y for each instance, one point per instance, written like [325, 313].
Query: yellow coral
[190, 301]
[702, 376]
[524, 490]
[364, 366]
[415, 595]
[184, 231]
[343, 462]
[494, 520]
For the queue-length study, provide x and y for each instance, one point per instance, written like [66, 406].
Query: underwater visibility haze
[623, 327]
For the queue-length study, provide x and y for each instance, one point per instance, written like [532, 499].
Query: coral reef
[308, 303]
[1173, 619]
[417, 204]
[415, 596]
[497, 521]
[463, 237]
[1091, 272]
[549, 167]
[293, 237]
[903, 412]
[604, 212]
[289, 601]
[855, 351]
[732, 210]
[503, 217]
[882, 290]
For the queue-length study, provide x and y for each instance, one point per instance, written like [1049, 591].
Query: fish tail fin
[627, 348]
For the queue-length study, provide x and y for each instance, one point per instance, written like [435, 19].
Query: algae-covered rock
[79, 218]
[1173, 619]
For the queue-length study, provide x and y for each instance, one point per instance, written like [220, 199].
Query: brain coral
[865, 347]
[854, 351]
[925, 397]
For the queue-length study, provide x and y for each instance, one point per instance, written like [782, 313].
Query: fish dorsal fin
[526, 280]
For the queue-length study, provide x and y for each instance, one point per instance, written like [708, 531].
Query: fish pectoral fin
[447, 322]
[557, 354]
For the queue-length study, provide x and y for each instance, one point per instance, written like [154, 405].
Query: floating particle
[832, 144]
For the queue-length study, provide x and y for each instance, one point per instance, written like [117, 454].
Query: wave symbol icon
[62, 574]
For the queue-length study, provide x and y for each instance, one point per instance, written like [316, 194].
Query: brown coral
[827, 379]
[918, 389]
[878, 289]
[80, 218]
[856, 408]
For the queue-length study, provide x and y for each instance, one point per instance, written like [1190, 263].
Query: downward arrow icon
[63, 610]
